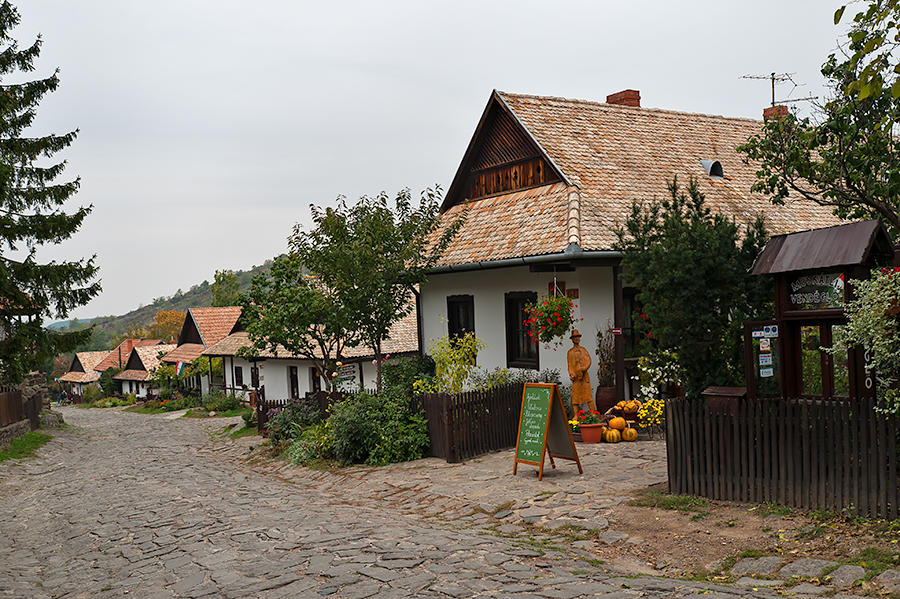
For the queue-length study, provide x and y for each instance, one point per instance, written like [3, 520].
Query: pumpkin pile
[617, 429]
[628, 409]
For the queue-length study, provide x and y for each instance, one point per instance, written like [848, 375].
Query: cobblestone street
[122, 504]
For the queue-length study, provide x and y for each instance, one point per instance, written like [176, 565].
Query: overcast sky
[208, 127]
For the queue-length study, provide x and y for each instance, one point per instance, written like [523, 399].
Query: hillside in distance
[107, 328]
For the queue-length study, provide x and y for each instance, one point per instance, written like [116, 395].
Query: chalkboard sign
[542, 426]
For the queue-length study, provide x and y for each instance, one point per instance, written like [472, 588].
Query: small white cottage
[142, 363]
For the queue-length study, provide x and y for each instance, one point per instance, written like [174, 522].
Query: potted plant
[605, 396]
[573, 426]
[549, 319]
[590, 424]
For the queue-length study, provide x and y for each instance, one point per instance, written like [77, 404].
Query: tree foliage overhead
[31, 216]
[690, 267]
[286, 310]
[225, 289]
[372, 255]
[847, 156]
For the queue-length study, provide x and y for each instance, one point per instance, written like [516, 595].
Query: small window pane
[841, 370]
[811, 360]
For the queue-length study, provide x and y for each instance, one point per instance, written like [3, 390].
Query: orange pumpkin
[612, 436]
[621, 405]
[629, 434]
[632, 406]
[618, 423]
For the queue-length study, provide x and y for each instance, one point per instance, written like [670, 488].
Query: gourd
[629, 434]
[618, 423]
[612, 436]
[632, 406]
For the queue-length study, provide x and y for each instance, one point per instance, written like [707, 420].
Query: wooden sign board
[543, 429]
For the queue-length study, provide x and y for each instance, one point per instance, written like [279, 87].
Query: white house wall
[595, 305]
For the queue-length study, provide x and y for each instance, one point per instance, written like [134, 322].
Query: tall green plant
[32, 215]
[373, 255]
[690, 267]
[454, 360]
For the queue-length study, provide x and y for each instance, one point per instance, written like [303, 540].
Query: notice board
[543, 429]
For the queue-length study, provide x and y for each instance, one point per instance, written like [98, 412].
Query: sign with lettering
[543, 428]
[758, 334]
[765, 359]
[816, 292]
[766, 372]
[617, 331]
[770, 330]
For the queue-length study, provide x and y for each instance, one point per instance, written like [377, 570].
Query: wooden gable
[134, 362]
[76, 365]
[189, 331]
[502, 157]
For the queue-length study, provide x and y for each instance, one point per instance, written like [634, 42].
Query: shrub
[401, 376]
[378, 430]
[219, 401]
[290, 420]
[454, 359]
[250, 419]
[315, 442]
[92, 393]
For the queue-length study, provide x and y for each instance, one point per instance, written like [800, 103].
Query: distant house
[546, 182]
[280, 375]
[142, 362]
[82, 373]
[202, 328]
[118, 357]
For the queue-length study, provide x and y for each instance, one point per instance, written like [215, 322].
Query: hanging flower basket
[549, 319]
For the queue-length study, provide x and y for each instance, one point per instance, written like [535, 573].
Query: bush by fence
[823, 454]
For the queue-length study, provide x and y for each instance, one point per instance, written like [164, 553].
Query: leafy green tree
[286, 310]
[847, 156]
[31, 216]
[226, 289]
[372, 256]
[690, 267]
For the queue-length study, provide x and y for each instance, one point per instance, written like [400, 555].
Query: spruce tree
[31, 216]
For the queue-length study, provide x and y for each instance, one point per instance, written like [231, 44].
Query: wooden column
[619, 320]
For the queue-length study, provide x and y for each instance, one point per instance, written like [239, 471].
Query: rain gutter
[573, 252]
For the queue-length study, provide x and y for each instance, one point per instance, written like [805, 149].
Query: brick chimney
[775, 112]
[627, 97]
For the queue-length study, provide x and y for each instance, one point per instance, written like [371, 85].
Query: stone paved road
[128, 505]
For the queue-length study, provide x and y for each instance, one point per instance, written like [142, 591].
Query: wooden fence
[12, 408]
[470, 424]
[829, 454]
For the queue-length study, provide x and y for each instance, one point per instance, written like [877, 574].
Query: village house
[118, 357]
[545, 182]
[142, 363]
[280, 375]
[82, 372]
[202, 328]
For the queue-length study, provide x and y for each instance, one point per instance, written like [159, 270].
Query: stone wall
[10, 433]
[36, 384]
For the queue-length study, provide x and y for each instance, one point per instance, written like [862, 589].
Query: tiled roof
[613, 155]
[215, 324]
[184, 353]
[403, 339]
[149, 357]
[88, 361]
[132, 375]
[111, 360]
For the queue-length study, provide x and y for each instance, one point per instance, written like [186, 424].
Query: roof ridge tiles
[621, 108]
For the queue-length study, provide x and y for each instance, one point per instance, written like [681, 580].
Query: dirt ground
[703, 538]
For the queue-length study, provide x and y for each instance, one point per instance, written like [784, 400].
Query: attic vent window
[713, 168]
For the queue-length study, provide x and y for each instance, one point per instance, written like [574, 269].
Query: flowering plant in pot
[549, 319]
[590, 424]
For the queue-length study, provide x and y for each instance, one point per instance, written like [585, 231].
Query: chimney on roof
[626, 97]
[775, 112]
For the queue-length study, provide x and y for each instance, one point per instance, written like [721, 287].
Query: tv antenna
[780, 78]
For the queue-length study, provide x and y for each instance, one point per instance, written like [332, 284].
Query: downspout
[418, 295]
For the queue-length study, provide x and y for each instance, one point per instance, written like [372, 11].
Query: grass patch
[247, 431]
[875, 561]
[681, 503]
[771, 509]
[24, 447]
[147, 410]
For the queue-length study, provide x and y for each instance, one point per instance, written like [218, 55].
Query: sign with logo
[770, 330]
[758, 334]
[766, 372]
[817, 292]
[617, 331]
[765, 344]
[765, 359]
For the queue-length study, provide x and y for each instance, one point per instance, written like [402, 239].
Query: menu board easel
[543, 429]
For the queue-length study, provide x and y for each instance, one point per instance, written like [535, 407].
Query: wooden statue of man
[579, 361]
